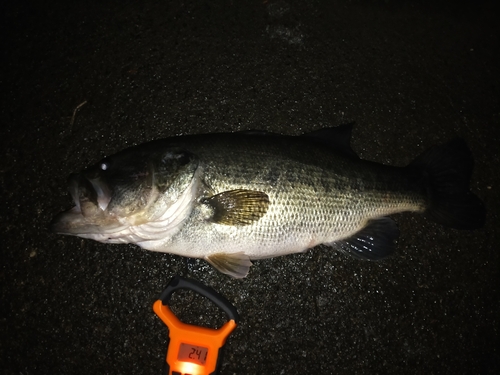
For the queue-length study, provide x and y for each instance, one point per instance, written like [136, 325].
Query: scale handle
[179, 282]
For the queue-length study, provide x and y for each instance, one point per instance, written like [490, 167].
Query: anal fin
[374, 242]
[236, 265]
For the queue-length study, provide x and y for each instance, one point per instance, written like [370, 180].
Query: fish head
[127, 189]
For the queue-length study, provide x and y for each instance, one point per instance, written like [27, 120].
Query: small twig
[74, 112]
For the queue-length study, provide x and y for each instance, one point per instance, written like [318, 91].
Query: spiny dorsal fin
[236, 265]
[238, 207]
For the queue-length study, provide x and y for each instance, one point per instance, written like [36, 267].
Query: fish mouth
[91, 196]
[84, 188]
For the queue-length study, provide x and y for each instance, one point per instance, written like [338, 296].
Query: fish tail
[447, 171]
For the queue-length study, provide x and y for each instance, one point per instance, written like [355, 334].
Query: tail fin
[447, 170]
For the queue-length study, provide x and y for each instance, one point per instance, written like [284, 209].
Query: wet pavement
[81, 81]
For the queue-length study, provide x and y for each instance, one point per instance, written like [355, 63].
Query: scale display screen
[193, 353]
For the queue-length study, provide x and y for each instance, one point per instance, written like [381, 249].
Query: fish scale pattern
[316, 196]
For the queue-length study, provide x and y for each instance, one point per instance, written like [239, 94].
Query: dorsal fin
[338, 138]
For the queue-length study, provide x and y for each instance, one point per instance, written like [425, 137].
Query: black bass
[230, 198]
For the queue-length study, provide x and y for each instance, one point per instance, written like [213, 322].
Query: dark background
[409, 74]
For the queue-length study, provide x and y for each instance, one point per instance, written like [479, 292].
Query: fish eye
[104, 166]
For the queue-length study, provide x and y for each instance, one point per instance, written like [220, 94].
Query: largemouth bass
[233, 197]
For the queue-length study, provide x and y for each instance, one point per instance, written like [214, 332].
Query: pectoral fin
[236, 265]
[238, 207]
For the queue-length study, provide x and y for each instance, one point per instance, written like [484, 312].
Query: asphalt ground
[81, 80]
